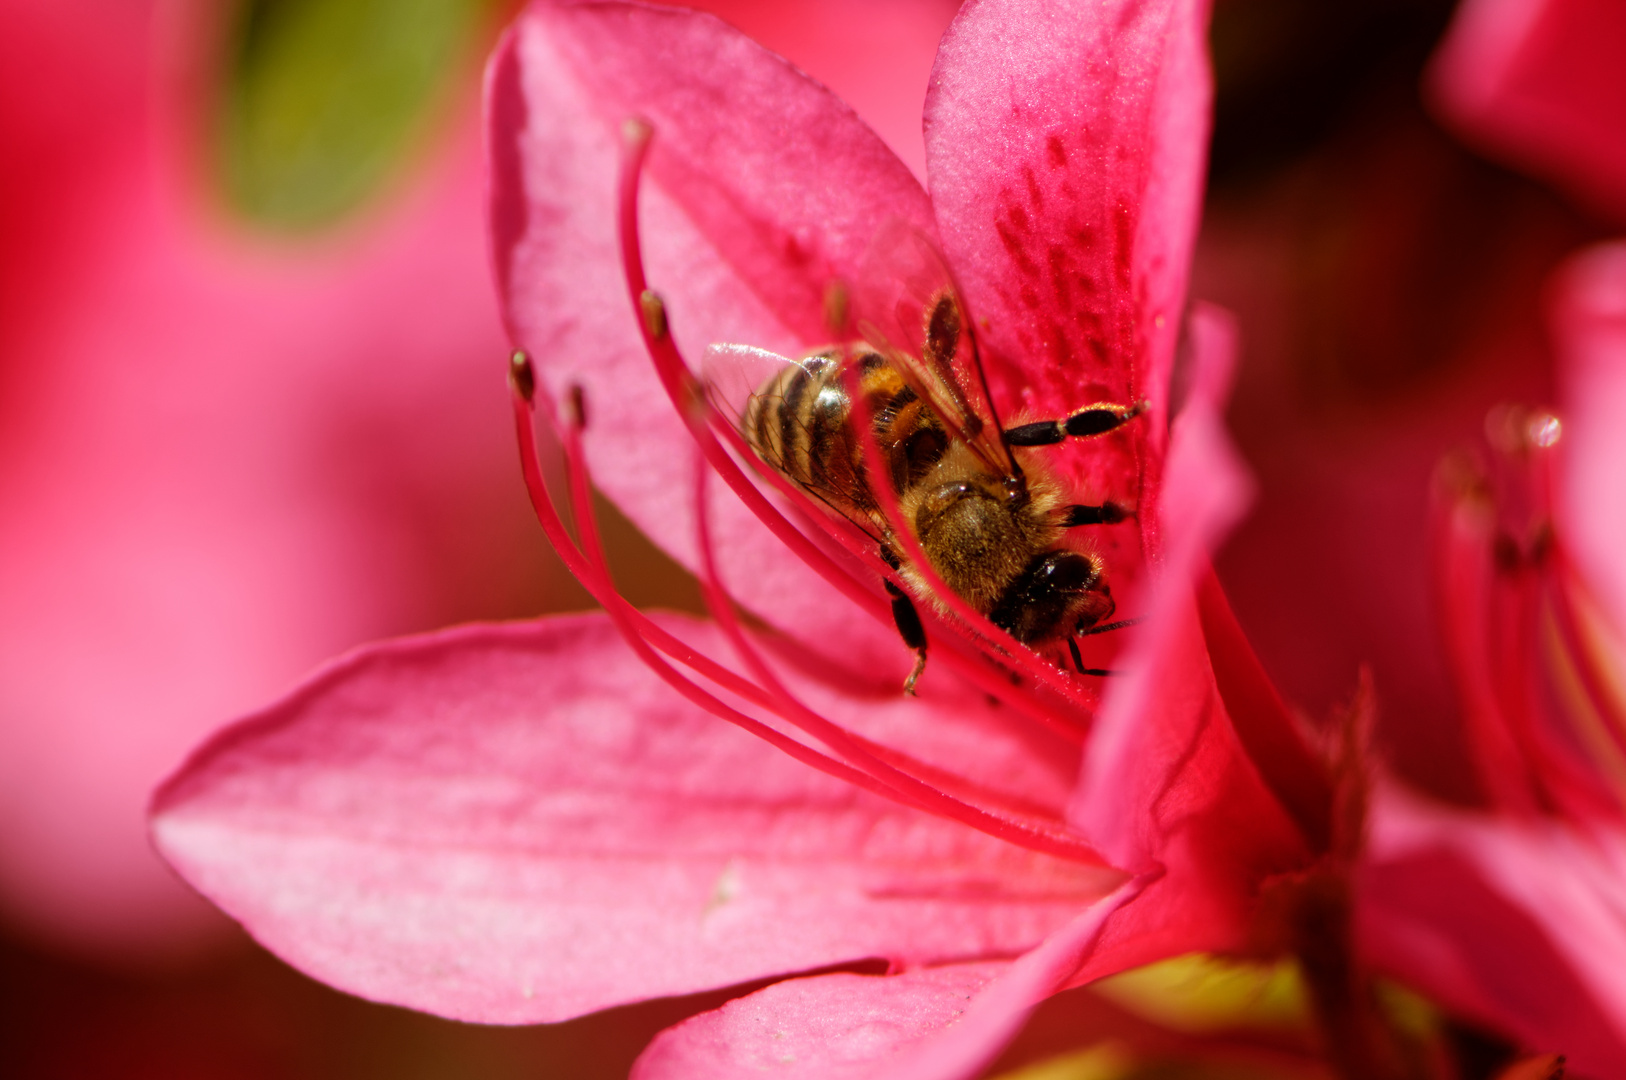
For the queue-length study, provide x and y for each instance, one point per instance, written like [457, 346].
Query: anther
[653, 310]
[837, 308]
[578, 407]
[636, 131]
[521, 375]
[1544, 430]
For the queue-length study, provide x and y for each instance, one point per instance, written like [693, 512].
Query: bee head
[1059, 592]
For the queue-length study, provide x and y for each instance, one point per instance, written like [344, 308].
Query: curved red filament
[848, 746]
[691, 404]
[1019, 656]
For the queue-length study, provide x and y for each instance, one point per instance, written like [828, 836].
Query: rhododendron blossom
[1514, 913]
[1537, 83]
[529, 822]
[1529, 572]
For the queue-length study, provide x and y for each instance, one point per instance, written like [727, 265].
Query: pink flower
[223, 456]
[1515, 916]
[529, 822]
[1514, 913]
[1537, 83]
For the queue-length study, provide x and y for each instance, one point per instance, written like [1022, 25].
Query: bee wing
[908, 308]
[733, 374]
[742, 382]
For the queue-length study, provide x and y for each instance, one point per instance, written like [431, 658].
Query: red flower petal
[831, 1026]
[1590, 326]
[520, 823]
[1166, 779]
[1539, 83]
[942, 1024]
[1065, 146]
[761, 189]
[1519, 925]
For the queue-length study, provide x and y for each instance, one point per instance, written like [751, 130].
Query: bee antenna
[1107, 628]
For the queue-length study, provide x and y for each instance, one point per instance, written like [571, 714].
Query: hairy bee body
[993, 536]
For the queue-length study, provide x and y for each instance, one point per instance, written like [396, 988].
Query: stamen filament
[696, 412]
[843, 743]
[1578, 644]
[685, 393]
[594, 576]
[964, 657]
[1020, 656]
[634, 626]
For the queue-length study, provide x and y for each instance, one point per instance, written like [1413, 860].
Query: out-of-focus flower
[1530, 570]
[227, 449]
[522, 823]
[1537, 83]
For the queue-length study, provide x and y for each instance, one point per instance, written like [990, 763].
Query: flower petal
[1590, 325]
[1065, 148]
[1521, 926]
[939, 1024]
[520, 823]
[1166, 779]
[1539, 83]
[761, 189]
[826, 1026]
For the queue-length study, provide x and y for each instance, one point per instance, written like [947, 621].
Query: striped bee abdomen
[800, 423]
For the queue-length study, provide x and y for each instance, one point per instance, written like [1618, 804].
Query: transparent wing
[908, 308]
[733, 374]
[746, 385]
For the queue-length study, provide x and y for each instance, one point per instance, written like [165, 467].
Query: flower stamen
[639, 632]
[1019, 656]
[909, 787]
[866, 771]
[691, 404]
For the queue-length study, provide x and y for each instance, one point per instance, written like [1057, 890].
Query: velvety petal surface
[1589, 323]
[937, 1024]
[761, 189]
[1539, 84]
[1166, 780]
[1065, 148]
[1520, 925]
[825, 1026]
[521, 823]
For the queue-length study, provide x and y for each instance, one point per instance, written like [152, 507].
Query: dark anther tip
[578, 407]
[521, 375]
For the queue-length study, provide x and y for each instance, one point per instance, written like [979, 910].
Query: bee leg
[1105, 514]
[1095, 420]
[1078, 661]
[913, 633]
[1082, 631]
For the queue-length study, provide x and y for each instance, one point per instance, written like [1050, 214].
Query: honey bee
[978, 499]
